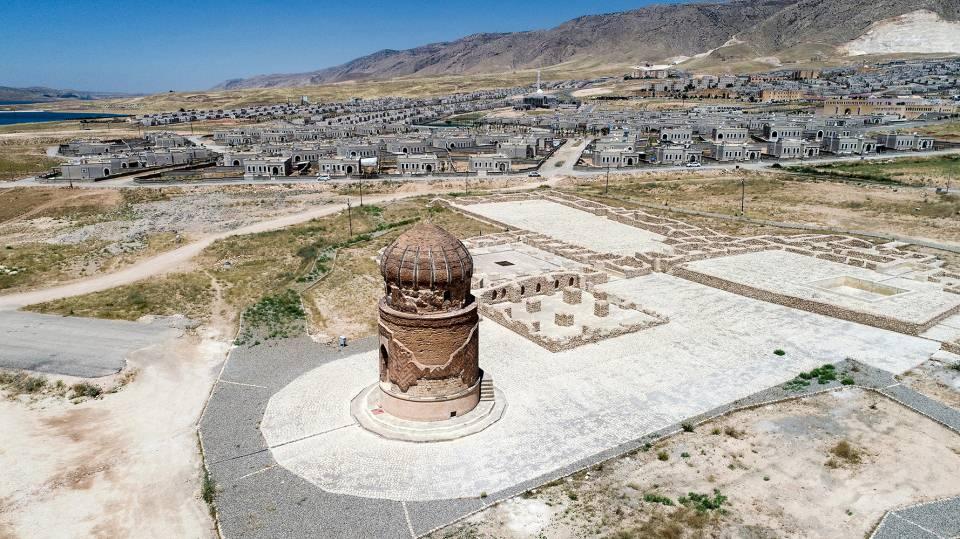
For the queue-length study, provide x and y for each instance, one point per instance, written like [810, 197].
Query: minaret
[539, 89]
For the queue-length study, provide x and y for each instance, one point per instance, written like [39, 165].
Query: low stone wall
[834, 311]
[532, 331]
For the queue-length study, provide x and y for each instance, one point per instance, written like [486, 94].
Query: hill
[736, 34]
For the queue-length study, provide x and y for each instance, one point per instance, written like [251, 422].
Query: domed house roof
[427, 257]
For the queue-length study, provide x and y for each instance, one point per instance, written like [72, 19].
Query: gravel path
[937, 520]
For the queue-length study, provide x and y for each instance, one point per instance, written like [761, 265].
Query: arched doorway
[629, 161]
[353, 154]
[274, 171]
[236, 162]
[106, 172]
[384, 362]
[404, 150]
[846, 112]
[428, 168]
[502, 167]
[349, 169]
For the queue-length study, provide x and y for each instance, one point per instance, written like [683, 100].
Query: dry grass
[944, 131]
[781, 197]
[31, 264]
[55, 202]
[341, 302]
[190, 294]
[340, 91]
[844, 453]
[24, 158]
[250, 267]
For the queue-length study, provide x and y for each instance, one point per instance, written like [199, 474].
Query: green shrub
[704, 502]
[652, 497]
[663, 455]
[687, 427]
[779, 352]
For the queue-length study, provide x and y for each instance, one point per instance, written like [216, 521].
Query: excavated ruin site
[603, 330]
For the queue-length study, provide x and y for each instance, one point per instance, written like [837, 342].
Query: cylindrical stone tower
[428, 327]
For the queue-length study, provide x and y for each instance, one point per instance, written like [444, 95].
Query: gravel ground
[935, 520]
[272, 502]
[258, 498]
[204, 212]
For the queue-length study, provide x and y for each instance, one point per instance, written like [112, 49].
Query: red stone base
[428, 409]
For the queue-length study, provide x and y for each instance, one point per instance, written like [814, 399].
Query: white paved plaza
[563, 407]
[573, 226]
[803, 276]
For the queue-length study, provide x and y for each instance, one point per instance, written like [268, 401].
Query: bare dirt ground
[122, 465]
[825, 466]
[906, 211]
[937, 379]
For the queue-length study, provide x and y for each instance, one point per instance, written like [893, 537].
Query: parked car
[534, 174]
[323, 177]
[693, 164]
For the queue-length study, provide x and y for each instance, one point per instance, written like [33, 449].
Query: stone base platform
[365, 408]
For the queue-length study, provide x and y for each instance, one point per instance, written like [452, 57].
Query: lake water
[25, 117]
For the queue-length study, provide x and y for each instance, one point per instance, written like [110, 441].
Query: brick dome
[430, 264]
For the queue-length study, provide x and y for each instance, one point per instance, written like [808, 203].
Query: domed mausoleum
[428, 324]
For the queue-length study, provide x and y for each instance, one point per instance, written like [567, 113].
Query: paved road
[84, 347]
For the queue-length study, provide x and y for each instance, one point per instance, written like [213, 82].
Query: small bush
[685, 455]
[663, 455]
[21, 382]
[846, 380]
[652, 497]
[823, 375]
[954, 366]
[687, 427]
[734, 433]
[86, 389]
[779, 352]
[704, 502]
[371, 209]
[846, 451]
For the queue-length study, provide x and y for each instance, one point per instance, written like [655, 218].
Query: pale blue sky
[153, 46]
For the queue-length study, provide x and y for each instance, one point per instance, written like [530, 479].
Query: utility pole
[743, 193]
[606, 186]
[360, 170]
[349, 218]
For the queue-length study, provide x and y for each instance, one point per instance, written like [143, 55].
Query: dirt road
[177, 258]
